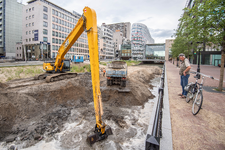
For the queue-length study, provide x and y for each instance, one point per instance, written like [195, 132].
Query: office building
[106, 42]
[117, 39]
[10, 27]
[124, 27]
[125, 52]
[45, 27]
[140, 36]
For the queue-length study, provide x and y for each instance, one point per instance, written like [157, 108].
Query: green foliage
[204, 22]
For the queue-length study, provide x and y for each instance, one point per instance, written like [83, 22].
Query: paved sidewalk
[206, 130]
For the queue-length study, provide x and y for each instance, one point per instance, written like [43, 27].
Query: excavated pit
[61, 113]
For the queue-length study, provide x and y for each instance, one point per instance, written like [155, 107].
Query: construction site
[61, 114]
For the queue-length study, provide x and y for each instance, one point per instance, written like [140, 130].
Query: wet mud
[33, 111]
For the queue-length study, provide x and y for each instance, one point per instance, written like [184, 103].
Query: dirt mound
[32, 109]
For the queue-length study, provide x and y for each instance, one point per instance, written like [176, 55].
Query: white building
[45, 27]
[106, 42]
[140, 36]
[10, 26]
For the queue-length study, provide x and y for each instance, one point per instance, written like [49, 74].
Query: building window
[32, 23]
[27, 10]
[56, 41]
[56, 13]
[32, 16]
[29, 32]
[56, 34]
[62, 29]
[56, 27]
[53, 19]
[29, 17]
[53, 11]
[62, 15]
[53, 40]
[45, 31]
[26, 40]
[45, 39]
[59, 14]
[59, 34]
[26, 18]
[53, 33]
[59, 28]
[45, 24]
[53, 26]
[45, 9]
[45, 16]
[29, 39]
[33, 8]
[26, 32]
[56, 20]
[59, 21]
[29, 24]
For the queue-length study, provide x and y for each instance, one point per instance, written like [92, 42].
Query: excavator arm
[88, 23]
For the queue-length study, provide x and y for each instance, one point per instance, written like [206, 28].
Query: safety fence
[153, 140]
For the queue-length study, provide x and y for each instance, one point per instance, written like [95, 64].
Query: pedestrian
[184, 73]
[103, 72]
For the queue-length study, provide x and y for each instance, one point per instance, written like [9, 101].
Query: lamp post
[199, 48]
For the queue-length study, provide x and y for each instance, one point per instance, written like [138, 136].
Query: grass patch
[80, 69]
[9, 78]
[103, 63]
[131, 62]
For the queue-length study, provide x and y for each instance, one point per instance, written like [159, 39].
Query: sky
[160, 16]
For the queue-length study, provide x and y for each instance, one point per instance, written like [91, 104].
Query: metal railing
[153, 141]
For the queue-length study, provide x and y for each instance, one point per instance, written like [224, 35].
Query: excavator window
[66, 66]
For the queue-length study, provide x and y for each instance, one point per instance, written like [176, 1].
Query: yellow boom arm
[88, 23]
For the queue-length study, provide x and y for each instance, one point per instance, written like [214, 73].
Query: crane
[56, 70]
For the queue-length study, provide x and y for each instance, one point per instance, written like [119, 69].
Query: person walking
[104, 72]
[184, 73]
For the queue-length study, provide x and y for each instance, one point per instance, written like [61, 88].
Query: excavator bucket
[98, 136]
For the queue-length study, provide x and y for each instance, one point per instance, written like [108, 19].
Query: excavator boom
[88, 23]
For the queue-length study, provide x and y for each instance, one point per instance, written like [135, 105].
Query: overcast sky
[160, 16]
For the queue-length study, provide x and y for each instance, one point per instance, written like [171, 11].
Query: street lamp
[199, 48]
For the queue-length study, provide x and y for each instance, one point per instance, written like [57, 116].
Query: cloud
[143, 20]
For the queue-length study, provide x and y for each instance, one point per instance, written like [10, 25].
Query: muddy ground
[33, 111]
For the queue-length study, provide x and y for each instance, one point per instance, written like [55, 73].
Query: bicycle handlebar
[202, 74]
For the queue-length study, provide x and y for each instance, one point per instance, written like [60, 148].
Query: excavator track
[59, 76]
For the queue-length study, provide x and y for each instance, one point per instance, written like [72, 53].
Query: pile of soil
[31, 110]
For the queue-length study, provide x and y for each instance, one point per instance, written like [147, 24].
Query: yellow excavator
[57, 70]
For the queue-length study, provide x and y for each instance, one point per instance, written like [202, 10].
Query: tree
[205, 22]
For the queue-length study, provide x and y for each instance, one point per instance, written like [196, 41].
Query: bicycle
[194, 91]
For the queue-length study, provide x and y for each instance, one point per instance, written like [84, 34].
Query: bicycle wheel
[197, 103]
[189, 96]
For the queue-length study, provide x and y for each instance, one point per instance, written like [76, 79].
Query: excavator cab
[66, 65]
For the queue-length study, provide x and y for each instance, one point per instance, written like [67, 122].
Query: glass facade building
[10, 26]
[140, 36]
[155, 51]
